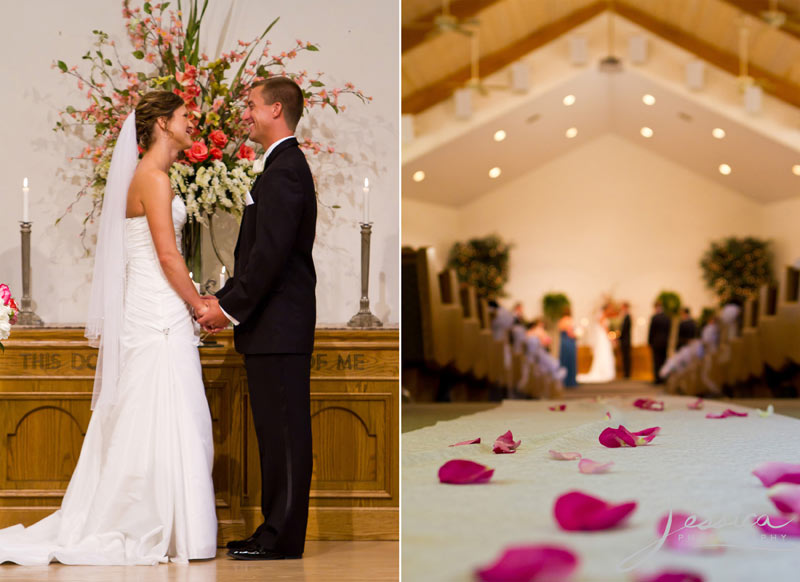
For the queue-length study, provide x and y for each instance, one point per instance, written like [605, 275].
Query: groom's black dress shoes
[236, 544]
[252, 550]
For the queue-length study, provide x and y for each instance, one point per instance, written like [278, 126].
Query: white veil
[104, 321]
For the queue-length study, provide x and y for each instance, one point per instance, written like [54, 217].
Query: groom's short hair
[285, 91]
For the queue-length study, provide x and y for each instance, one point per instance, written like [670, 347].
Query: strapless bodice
[139, 242]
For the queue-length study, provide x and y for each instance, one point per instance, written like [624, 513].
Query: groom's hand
[213, 319]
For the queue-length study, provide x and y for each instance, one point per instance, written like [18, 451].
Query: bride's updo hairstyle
[150, 108]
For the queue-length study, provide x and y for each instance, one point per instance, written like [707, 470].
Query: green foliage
[735, 268]
[483, 263]
[554, 305]
[671, 302]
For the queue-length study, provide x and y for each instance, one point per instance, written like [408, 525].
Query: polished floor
[322, 561]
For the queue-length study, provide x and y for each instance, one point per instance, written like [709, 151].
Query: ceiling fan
[744, 79]
[778, 18]
[446, 21]
[611, 63]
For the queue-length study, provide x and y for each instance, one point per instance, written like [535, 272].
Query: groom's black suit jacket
[271, 292]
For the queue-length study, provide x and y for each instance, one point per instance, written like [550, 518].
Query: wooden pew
[469, 303]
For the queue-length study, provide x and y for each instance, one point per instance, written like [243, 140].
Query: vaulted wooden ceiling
[434, 65]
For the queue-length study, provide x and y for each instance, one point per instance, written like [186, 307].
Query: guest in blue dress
[568, 352]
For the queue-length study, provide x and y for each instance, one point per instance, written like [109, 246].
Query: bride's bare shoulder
[149, 180]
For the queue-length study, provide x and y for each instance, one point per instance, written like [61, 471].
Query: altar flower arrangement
[217, 170]
[8, 313]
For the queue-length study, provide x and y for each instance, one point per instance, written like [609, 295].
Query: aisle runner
[695, 465]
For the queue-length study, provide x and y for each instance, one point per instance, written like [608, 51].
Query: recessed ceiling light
[499, 135]
[648, 99]
[494, 172]
[419, 176]
[568, 100]
[718, 132]
[796, 169]
[572, 132]
[724, 169]
[646, 132]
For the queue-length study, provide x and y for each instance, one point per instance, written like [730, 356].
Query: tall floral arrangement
[483, 263]
[8, 313]
[735, 268]
[215, 173]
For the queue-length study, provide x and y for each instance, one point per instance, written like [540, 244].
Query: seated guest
[710, 334]
[687, 329]
[729, 319]
[502, 320]
[536, 328]
[519, 316]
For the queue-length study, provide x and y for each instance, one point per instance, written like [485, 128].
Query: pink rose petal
[671, 576]
[648, 404]
[472, 442]
[786, 497]
[608, 416]
[696, 405]
[577, 511]
[778, 525]
[622, 437]
[505, 444]
[464, 472]
[532, 563]
[559, 408]
[587, 466]
[728, 412]
[772, 472]
[564, 456]
[685, 533]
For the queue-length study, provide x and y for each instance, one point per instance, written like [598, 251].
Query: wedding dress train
[603, 367]
[142, 491]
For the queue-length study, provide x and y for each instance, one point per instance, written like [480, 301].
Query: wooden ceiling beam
[440, 90]
[756, 7]
[416, 33]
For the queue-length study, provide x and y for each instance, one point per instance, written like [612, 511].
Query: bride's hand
[199, 309]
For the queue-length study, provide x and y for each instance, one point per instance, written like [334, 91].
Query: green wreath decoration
[735, 268]
[482, 263]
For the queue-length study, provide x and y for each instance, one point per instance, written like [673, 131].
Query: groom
[270, 300]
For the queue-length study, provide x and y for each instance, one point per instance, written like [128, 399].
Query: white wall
[429, 224]
[358, 42]
[782, 226]
[608, 218]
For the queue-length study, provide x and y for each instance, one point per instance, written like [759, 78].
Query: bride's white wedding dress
[142, 491]
[603, 367]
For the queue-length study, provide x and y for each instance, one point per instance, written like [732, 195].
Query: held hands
[210, 316]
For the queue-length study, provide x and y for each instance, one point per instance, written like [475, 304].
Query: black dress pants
[625, 349]
[279, 387]
[659, 357]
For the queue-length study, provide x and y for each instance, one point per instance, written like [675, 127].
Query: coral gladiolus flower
[577, 511]
[771, 473]
[472, 442]
[532, 563]
[728, 412]
[649, 404]
[622, 437]
[464, 472]
[564, 456]
[505, 444]
[588, 467]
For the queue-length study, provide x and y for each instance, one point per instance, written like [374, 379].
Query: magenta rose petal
[621, 437]
[726, 413]
[564, 456]
[577, 511]
[771, 473]
[531, 563]
[648, 404]
[788, 525]
[786, 497]
[476, 441]
[671, 576]
[558, 408]
[505, 444]
[588, 467]
[696, 405]
[464, 472]
[683, 538]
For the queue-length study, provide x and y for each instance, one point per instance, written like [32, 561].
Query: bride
[603, 364]
[142, 491]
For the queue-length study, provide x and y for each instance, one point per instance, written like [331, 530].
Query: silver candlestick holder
[26, 315]
[364, 318]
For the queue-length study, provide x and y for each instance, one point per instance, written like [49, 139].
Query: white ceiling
[456, 155]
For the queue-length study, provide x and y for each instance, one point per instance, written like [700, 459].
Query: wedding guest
[568, 353]
[536, 328]
[687, 328]
[519, 315]
[502, 320]
[729, 318]
[658, 339]
[625, 338]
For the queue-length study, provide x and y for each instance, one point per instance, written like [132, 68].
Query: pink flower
[728, 412]
[588, 467]
[5, 293]
[197, 153]
[577, 511]
[531, 563]
[470, 442]
[505, 444]
[771, 473]
[464, 472]
[687, 533]
[671, 576]
[216, 153]
[648, 404]
[218, 138]
[622, 437]
[246, 153]
[564, 456]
